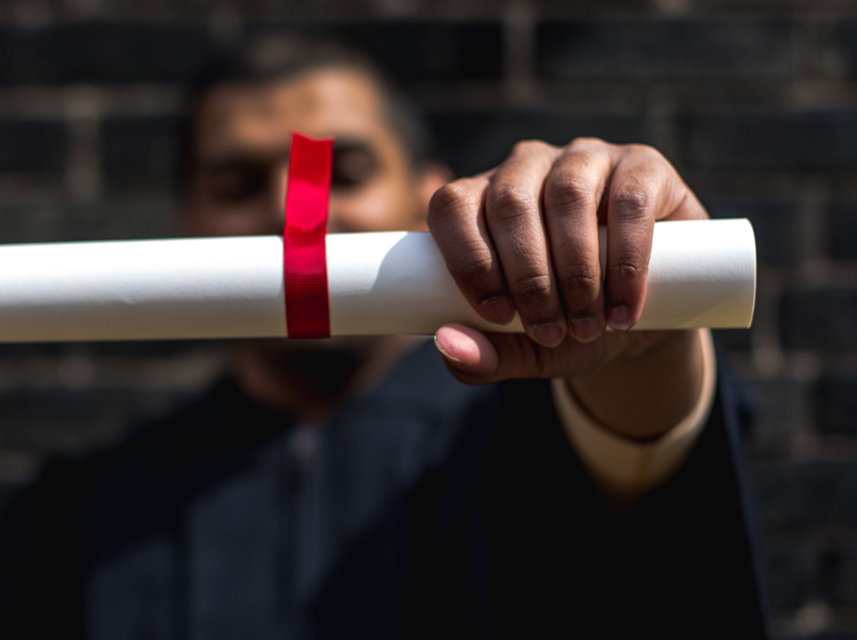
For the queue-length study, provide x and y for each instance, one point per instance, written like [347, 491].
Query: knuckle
[646, 151]
[588, 143]
[508, 201]
[632, 200]
[567, 192]
[472, 267]
[532, 289]
[528, 147]
[579, 278]
[626, 270]
[451, 202]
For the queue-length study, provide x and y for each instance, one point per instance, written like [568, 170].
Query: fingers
[474, 357]
[468, 352]
[514, 217]
[461, 233]
[525, 236]
[573, 191]
[492, 237]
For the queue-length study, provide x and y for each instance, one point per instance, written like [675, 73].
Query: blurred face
[242, 153]
[243, 139]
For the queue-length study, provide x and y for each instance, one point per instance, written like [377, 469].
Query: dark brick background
[755, 101]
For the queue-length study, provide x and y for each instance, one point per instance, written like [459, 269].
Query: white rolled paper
[701, 274]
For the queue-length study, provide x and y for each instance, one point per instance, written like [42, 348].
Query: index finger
[458, 226]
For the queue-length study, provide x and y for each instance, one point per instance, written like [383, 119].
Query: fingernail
[619, 318]
[549, 335]
[498, 309]
[452, 361]
[585, 329]
[446, 354]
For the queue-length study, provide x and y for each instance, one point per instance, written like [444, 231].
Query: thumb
[474, 357]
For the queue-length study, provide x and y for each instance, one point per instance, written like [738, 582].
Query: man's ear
[431, 176]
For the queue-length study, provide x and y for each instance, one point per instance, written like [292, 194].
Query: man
[352, 487]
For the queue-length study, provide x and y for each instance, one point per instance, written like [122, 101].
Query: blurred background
[755, 102]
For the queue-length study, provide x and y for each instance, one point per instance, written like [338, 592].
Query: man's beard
[318, 369]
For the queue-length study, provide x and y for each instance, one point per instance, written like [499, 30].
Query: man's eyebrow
[352, 144]
[241, 158]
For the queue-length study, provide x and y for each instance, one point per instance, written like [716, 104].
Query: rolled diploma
[701, 274]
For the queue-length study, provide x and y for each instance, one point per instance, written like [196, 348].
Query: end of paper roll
[702, 274]
[752, 237]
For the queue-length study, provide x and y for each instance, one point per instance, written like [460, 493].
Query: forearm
[641, 397]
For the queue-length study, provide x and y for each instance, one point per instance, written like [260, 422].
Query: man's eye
[352, 168]
[236, 185]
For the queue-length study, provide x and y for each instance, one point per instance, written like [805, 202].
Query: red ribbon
[304, 250]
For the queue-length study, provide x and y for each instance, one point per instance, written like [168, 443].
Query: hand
[524, 236]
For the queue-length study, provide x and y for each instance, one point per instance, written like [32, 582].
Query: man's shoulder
[152, 460]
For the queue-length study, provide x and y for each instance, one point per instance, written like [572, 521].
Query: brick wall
[755, 101]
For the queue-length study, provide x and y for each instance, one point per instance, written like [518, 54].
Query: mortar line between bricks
[518, 29]
[83, 174]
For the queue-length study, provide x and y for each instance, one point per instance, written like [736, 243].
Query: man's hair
[286, 56]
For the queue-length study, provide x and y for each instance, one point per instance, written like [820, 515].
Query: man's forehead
[322, 102]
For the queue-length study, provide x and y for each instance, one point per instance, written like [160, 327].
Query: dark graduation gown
[424, 508]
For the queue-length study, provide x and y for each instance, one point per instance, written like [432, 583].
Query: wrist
[647, 391]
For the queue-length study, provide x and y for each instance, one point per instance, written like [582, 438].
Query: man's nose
[279, 182]
[337, 222]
